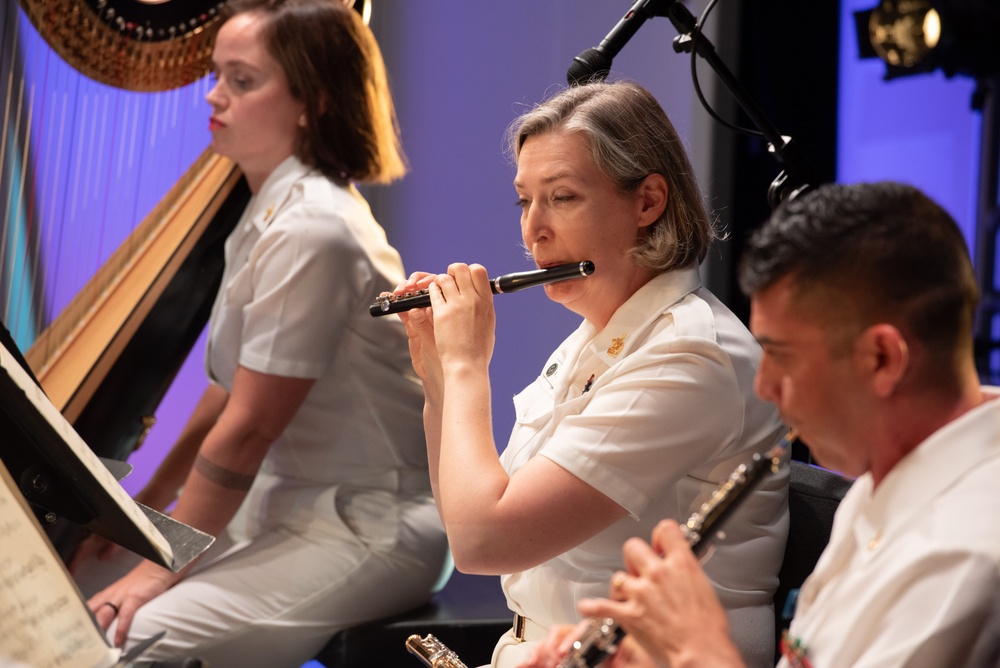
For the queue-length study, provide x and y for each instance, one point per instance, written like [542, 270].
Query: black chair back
[813, 496]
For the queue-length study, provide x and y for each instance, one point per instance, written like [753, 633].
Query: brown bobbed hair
[334, 66]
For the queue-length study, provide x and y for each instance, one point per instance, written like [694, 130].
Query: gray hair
[630, 137]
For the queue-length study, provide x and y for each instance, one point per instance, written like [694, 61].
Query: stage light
[363, 7]
[915, 36]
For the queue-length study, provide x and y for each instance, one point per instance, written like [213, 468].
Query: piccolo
[520, 280]
[600, 639]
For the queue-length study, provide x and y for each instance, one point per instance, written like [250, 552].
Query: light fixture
[362, 7]
[915, 36]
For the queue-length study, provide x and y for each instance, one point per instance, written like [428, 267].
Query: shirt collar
[275, 191]
[936, 464]
[666, 289]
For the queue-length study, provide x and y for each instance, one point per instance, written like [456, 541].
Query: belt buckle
[520, 624]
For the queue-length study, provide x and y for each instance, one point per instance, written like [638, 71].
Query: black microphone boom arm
[797, 174]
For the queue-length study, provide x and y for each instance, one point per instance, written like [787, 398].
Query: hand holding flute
[386, 304]
[461, 329]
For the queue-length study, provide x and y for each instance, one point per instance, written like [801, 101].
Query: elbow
[492, 553]
[474, 558]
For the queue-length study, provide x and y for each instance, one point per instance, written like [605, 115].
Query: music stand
[60, 476]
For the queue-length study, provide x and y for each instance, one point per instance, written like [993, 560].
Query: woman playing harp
[303, 456]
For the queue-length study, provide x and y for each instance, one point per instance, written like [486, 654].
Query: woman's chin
[561, 293]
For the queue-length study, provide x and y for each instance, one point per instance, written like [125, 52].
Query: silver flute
[602, 636]
[386, 304]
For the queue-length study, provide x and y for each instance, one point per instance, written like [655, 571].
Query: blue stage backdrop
[461, 72]
[918, 129]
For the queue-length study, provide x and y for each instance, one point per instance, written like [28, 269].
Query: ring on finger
[617, 582]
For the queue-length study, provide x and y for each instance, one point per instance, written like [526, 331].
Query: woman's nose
[214, 96]
[533, 226]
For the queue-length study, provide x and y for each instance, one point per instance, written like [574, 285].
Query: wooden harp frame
[108, 358]
[76, 352]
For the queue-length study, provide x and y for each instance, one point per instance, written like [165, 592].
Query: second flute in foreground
[520, 280]
[601, 638]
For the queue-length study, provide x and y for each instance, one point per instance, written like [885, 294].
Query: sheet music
[83, 452]
[44, 622]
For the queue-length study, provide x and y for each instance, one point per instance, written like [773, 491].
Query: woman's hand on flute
[464, 319]
[458, 327]
[419, 324]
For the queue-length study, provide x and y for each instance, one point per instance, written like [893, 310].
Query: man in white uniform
[863, 299]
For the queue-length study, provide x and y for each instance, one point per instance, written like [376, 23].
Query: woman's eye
[563, 198]
[521, 202]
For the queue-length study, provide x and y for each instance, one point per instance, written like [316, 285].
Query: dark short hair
[884, 252]
[631, 137]
[333, 64]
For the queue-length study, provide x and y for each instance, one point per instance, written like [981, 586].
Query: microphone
[594, 64]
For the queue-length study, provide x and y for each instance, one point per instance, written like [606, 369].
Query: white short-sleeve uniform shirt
[339, 525]
[301, 269]
[912, 570]
[654, 411]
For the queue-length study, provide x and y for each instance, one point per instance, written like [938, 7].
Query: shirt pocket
[570, 407]
[533, 404]
[533, 413]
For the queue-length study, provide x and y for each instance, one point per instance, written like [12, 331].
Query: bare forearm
[722, 654]
[256, 413]
[208, 505]
[432, 437]
[222, 472]
[471, 480]
[166, 481]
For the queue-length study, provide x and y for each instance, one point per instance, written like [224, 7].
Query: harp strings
[82, 164]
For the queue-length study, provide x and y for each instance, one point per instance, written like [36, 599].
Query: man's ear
[653, 193]
[884, 357]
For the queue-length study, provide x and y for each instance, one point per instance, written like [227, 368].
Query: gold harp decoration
[134, 45]
[137, 45]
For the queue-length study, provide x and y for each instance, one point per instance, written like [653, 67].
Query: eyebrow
[548, 179]
[234, 62]
[768, 341]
